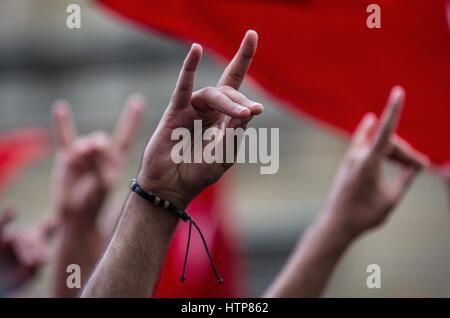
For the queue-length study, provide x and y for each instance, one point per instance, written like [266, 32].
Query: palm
[221, 107]
[192, 178]
[203, 174]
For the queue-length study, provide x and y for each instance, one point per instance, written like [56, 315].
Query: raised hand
[21, 253]
[88, 168]
[361, 198]
[131, 264]
[85, 172]
[221, 106]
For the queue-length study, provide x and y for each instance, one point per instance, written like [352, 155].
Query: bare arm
[131, 264]
[360, 200]
[78, 245]
[312, 262]
[85, 172]
[22, 253]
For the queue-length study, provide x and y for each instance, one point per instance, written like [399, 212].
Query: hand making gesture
[87, 168]
[85, 172]
[361, 199]
[131, 264]
[221, 106]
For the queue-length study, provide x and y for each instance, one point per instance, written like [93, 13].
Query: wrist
[338, 230]
[173, 195]
[77, 222]
[139, 212]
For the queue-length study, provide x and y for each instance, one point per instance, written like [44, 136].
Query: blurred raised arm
[22, 253]
[85, 172]
[360, 200]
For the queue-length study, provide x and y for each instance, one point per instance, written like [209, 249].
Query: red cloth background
[19, 148]
[322, 60]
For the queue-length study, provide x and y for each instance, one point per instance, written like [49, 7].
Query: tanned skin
[132, 262]
[360, 199]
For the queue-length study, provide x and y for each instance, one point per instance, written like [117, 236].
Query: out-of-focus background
[97, 67]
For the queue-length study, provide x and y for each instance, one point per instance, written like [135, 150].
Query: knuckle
[247, 55]
[211, 92]
[389, 205]
[99, 134]
[173, 98]
[238, 77]
[185, 87]
[187, 67]
[226, 89]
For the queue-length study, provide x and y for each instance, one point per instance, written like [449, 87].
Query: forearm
[131, 264]
[81, 245]
[311, 264]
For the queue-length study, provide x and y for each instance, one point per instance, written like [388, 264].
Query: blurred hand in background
[361, 199]
[131, 264]
[88, 168]
[85, 172]
[21, 253]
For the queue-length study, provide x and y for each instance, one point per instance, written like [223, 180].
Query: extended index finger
[389, 119]
[63, 126]
[235, 72]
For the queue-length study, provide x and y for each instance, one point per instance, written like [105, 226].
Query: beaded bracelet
[183, 215]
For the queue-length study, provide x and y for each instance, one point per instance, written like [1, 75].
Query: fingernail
[259, 106]
[243, 110]
[398, 92]
[370, 116]
[196, 45]
[60, 106]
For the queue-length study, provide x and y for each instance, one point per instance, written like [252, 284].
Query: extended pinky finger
[64, 128]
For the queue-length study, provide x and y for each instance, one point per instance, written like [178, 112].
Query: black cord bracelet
[183, 215]
[158, 201]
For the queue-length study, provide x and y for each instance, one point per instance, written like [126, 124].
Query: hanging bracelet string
[183, 215]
